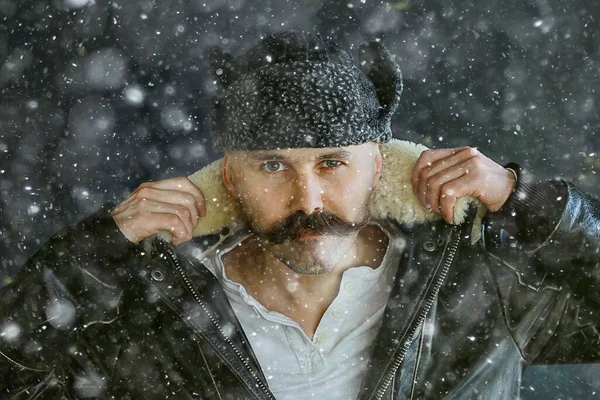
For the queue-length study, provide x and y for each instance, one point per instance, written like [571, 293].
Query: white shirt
[330, 365]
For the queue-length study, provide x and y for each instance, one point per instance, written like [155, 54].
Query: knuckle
[425, 173]
[186, 213]
[173, 220]
[181, 229]
[137, 207]
[436, 181]
[179, 211]
[197, 193]
[445, 199]
[182, 180]
[447, 192]
[423, 156]
[189, 199]
[143, 191]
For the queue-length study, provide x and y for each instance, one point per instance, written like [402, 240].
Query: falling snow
[97, 97]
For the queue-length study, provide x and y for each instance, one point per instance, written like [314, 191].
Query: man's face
[307, 204]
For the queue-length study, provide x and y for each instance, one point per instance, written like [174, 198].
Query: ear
[227, 176]
[378, 64]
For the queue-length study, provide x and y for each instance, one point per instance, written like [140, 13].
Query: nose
[308, 194]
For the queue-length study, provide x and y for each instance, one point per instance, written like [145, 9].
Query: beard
[331, 238]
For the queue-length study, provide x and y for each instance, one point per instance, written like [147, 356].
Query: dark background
[98, 96]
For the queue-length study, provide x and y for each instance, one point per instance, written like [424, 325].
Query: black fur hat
[296, 90]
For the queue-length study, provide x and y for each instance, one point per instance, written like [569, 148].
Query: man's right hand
[172, 205]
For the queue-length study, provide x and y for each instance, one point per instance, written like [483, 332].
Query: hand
[441, 176]
[172, 205]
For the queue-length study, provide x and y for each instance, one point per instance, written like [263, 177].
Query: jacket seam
[114, 368]
[520, 278]
[504, 316]
[212, 378]
[23, 366]
[560, 220]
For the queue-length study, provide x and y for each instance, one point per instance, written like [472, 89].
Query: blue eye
[331, 163]
[273, 166]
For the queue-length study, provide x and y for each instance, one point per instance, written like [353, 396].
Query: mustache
[320, 222]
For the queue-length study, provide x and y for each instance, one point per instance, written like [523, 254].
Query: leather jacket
[92, 315]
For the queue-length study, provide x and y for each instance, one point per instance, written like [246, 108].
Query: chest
[298, 364]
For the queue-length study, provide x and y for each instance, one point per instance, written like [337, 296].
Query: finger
[437, 181]
[462, 186]
[428, 157]
[184, 216]
[173, 224]
[181, 184]
[450, 161]
[156, 216]
[170, 196]
[447, 201]
[141, 221]
[436, 167]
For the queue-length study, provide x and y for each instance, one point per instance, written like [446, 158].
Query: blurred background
[98, 96]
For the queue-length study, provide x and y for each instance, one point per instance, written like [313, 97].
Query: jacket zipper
[190, 287]
[413, 330]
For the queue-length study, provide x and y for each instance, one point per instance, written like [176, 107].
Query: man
[355, 266]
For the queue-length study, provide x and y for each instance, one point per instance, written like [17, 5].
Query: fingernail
[474, 151]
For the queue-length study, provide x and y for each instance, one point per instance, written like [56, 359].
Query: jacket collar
[392, 198]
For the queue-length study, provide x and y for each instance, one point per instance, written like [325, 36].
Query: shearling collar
[392, 198]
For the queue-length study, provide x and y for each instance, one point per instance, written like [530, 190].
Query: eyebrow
[335, 154]
[266, 157]
[343, 154]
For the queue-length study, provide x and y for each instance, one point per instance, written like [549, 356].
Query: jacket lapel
[194, 293]
[416, 277]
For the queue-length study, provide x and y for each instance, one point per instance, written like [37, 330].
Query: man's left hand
[442, 176]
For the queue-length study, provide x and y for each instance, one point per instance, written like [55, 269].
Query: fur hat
[296, 90]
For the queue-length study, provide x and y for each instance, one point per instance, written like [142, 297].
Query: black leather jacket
[93, 315]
